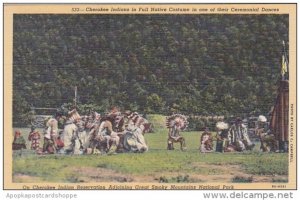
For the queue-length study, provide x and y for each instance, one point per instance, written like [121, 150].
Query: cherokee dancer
[176, 123]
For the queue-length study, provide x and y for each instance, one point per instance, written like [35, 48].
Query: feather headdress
[177, 119]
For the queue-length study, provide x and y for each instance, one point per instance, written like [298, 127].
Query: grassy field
[156, 165]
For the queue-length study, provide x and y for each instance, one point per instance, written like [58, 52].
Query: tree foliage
[200, 64]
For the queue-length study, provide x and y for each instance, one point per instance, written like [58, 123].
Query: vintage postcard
[150, 96]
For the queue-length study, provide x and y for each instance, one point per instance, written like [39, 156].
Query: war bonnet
[222, 125]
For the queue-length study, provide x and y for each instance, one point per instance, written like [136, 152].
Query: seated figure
[34, 136]
[19, 141]
[238, 136]
[206, 142]
[222, 136]
[134, 140]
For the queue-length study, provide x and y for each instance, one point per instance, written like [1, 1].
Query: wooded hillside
[194, 64]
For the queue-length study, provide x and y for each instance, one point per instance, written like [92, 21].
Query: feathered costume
[176, 123]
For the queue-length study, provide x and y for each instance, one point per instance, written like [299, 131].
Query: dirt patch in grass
[23, 178]
[90, 174]
[221, 173]
[216, 173]
[270, 178]
[228, 173]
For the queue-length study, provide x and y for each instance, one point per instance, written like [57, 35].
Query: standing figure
[206, 142]
[92, 128]
[238, 136]
[51, 134]
[222, 136]
[19, 141]
[72, 144]
[176, 123]
[267, 139]
[34, 136]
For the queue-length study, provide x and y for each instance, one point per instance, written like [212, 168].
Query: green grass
[159, 121]
[157, 160]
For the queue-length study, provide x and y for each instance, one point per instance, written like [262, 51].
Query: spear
[75, 99]
[284, 60]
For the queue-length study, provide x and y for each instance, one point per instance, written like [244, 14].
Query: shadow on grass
[242, 179]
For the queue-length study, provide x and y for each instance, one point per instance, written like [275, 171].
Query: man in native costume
[34, 136]
[83, 132]
[92, 125]
[176, 123]
[60, 144]
[106, 137]
[134, 140]
[238, 136]
[51, 132]
[139, 121]
[72, 143]
[206, 142]
[267, 139]
[117, 119]
[19, 141]
[222, 136]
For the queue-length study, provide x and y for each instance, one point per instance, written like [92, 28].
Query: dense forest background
[193, 64]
